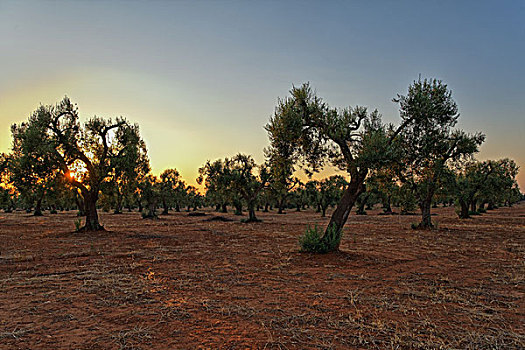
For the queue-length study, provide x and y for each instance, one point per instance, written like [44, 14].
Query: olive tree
[171, 185]
[352, 139]
[84, 153]
[429, 142]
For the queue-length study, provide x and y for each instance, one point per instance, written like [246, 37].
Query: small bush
[482, 210]
[312, 241]
[78, 224]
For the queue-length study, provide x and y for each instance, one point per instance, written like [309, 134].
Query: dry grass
[182, 282]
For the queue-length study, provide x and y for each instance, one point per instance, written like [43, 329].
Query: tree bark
[388, 206]
[280, 203]
[464, 212]
[165, 207]
[340, 214]
[90, 205]
[118, 205]
[426, 220]
[38, 207]
[238, 209]
[473, 205]
[251, 214]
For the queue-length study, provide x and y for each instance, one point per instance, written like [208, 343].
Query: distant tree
[149, 192]
[429, 141]
[247, 179]
[216, 182]
[312, 195]
[8, 191]
[84, 153]
[330, 191]
[362, 202]
[500, 187]
[170, 182]
[280, 160]
[383, 183]
[404, 196]
[32, 174]
[281, 182]
[469, 181]
[299, 196]
[127, 170]
[235, 179]
[193, 198]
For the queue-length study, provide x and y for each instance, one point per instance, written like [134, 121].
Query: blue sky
[203, 77]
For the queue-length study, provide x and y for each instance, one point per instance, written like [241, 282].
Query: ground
[181, 282]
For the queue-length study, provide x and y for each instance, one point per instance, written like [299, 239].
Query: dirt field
[184, 283]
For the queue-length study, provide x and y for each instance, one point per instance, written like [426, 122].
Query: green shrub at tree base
[313, 241]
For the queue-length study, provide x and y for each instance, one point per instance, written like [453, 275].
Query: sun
[77, 171]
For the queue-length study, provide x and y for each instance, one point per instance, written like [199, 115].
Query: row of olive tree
[57, 158]
[421, 160]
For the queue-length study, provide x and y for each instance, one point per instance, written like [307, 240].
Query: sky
[202, 78]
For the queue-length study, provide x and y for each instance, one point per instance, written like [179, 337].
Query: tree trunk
[426, 220]
[387, 206]
[224, 208]
[90, 205]
[280, 204]
[38, 207]
[464, 212]
[217, 207]
[118, 205]
[361, 208]
[266, 205]
[80, 206]
[251, 214]
[473, 205]
[238, 209]
[340, 214]
[323, 210]
[165, 207]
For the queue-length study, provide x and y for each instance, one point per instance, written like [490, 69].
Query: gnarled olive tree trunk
[340, 215]
[90, 208]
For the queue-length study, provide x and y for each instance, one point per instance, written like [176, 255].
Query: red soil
[184, 283]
